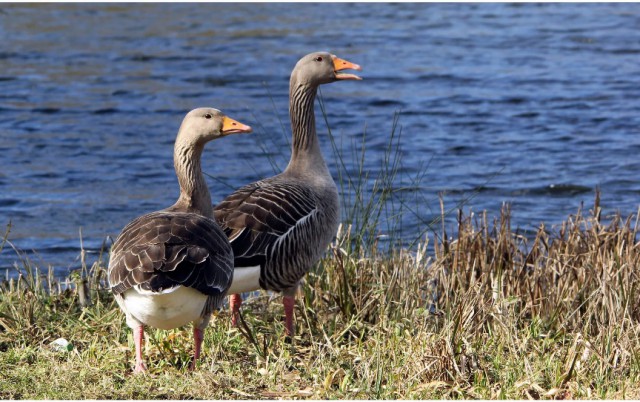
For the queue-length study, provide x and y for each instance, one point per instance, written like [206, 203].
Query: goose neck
[194, 193]
[305, 148]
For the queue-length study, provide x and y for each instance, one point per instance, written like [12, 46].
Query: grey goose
[172, 267]
[280, 226]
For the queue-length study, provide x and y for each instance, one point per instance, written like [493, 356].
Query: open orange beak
[230, 126]
[339, 65]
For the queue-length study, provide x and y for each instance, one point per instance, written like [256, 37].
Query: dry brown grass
[487, 313]
[555, 315]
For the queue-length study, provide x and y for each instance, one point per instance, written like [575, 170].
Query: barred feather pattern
[165, 249]
[282, 224]
[303, 120]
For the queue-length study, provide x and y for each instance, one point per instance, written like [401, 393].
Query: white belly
[245, 279]
[173, 309]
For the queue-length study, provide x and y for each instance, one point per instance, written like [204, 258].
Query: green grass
[489, 314]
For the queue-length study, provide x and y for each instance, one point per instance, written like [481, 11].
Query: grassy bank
[487, 314]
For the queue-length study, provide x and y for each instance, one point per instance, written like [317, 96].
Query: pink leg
[234, 303]
[198, 336]
[288, 302]
[138, 339]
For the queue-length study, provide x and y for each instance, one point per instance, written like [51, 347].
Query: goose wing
[260, 214]
[162, 250]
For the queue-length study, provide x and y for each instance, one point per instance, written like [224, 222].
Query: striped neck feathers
[305, 152]
[194, 193]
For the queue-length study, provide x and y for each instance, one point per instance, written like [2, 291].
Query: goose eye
[207, 116]
[318, 58]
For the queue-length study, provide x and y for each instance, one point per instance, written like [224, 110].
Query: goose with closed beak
[172, 267]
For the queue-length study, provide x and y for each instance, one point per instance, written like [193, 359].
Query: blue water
[530, 104]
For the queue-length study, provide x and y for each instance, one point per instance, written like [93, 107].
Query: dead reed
[567, 298]
[485, 313]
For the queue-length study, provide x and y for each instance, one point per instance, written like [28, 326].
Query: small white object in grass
[62, 345]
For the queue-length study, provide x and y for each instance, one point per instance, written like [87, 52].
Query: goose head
[205, 124]
[322, 68]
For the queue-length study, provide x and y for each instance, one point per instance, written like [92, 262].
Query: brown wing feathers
[161, 250]
[255, 216]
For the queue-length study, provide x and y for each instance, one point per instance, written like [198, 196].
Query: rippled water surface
[531, 104]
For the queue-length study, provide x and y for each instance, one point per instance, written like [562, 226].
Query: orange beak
[230, 126]
[339, 65]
